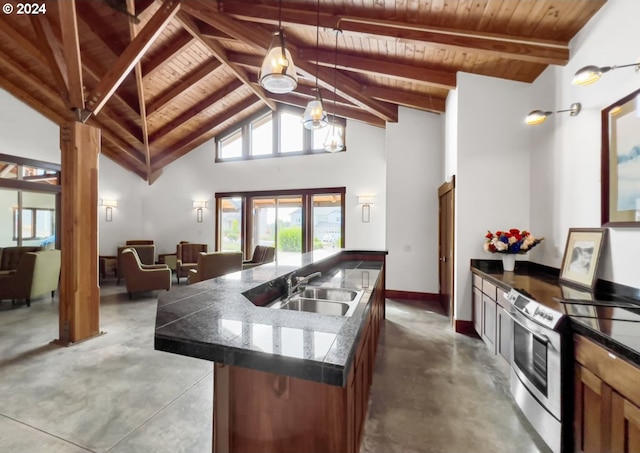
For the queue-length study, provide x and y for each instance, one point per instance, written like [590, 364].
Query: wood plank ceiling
[188, 69]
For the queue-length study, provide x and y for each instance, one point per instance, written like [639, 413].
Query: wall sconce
[109, 204]
[538, 116]
[198, 206]
[591, 74]
[366, 201]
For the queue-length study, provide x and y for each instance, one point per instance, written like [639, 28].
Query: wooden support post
[79, 291]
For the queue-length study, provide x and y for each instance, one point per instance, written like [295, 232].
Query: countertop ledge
[620, 336]
[214, 320]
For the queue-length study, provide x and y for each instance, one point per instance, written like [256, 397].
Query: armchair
[261, 254]
[143, 277]
[215, 264]
[10, 257]
[187, 258]
[37, 274]
[146, 253]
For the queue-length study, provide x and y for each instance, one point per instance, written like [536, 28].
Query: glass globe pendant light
[278, 73]
[314, 116]
[334, 143]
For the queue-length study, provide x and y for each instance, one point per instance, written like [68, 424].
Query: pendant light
[334, 143]
[278, 73]
[314, 116]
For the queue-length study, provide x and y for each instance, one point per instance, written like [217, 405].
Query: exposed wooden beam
[181, 86]
[221, 54]
[99, 28]
[195, 110]
[160, 59]
[71, 47]
[133, 32]
[211, 124]
[369, 66]
[260, 37]
[120, 159]
[408, 99]
[526, 49]
[131, 55]
[52, 52]
[117, 142]
[22, 41]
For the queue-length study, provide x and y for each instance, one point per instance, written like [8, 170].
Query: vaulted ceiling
[159, 78]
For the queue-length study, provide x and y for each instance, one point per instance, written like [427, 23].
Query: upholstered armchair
[143, 277]
[215, 264]
[146, 253]
[10, 257]
[187, 258]
[37, 274]
[261, 254]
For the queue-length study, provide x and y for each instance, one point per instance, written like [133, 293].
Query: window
[231, 146]
[29, 202]
[291, 133]
[36, 223]
[273, 134]
[293, 221]
[262, 136]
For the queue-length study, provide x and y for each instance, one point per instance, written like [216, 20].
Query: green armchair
[38, 273]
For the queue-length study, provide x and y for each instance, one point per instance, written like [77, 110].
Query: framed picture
[620, 166]
[581, 256]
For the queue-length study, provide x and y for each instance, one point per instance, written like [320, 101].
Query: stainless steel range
[542, 369]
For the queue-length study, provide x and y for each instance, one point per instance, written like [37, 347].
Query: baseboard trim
[465, 328]
[411, 295]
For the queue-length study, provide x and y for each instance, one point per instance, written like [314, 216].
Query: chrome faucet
[291, 288]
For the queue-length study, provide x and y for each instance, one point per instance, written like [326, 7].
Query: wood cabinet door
[592, 412]
[489, 322]
[625, 425]
[477, 310]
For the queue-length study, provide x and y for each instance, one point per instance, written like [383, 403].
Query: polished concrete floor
[433, 390]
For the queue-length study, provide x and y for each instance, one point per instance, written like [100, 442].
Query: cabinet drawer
[477, 281]
[489, 289]
[621, 375]
[504, 303]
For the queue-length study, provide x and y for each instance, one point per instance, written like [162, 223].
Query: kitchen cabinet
[607, 400]
[491, 319]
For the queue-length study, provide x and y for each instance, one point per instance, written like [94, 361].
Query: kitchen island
[284, 380]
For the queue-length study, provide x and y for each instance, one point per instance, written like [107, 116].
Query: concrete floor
[433, 390]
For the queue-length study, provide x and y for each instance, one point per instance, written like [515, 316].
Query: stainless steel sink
[321, 300]
[316, 306]
[335, 294]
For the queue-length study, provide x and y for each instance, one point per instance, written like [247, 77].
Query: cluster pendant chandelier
[334, 143]
[314, 116]
[278, 73]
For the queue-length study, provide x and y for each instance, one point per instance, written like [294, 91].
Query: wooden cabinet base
[266, 412]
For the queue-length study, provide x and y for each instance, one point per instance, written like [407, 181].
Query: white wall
[168, 216]
[116, 183]
[565, 170]
[415, 151]
[26, 133]
[492, 176]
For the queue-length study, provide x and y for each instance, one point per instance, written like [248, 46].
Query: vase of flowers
[510, 243]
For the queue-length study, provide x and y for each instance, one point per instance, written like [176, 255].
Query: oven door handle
[539, 336]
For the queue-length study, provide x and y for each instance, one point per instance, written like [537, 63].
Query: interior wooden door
[446, 196]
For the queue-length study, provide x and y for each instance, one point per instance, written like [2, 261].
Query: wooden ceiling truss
[161, 77]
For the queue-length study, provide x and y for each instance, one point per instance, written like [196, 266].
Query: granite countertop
[216, 320]
[617, 328]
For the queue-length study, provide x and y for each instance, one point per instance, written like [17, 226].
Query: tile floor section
[433, 390]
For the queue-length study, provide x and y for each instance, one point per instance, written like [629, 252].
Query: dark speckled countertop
[617, 328]
[215, 320]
